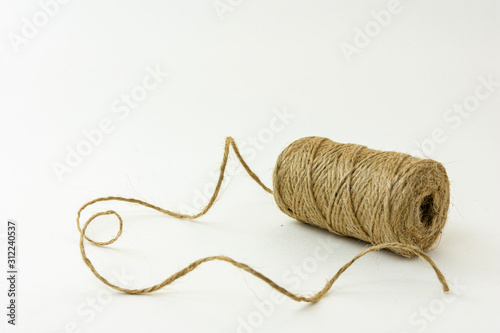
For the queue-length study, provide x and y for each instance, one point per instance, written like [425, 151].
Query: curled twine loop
[296, 297]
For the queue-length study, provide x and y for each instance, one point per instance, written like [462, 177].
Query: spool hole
[427, 210]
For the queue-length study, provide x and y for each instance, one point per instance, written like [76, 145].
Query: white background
[231, 73]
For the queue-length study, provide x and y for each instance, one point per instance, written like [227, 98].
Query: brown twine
[392, 200]
[351, 190]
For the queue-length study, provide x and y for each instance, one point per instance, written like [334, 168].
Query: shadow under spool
[351, 190]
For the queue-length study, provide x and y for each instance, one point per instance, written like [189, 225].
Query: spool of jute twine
[392, 200]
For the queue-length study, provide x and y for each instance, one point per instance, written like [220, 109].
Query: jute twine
[392, 200]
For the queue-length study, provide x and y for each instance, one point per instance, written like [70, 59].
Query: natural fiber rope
[351, 190]
[325, 184]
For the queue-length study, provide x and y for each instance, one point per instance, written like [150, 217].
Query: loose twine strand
[296, 297]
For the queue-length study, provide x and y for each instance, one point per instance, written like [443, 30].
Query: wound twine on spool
[392, 200]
